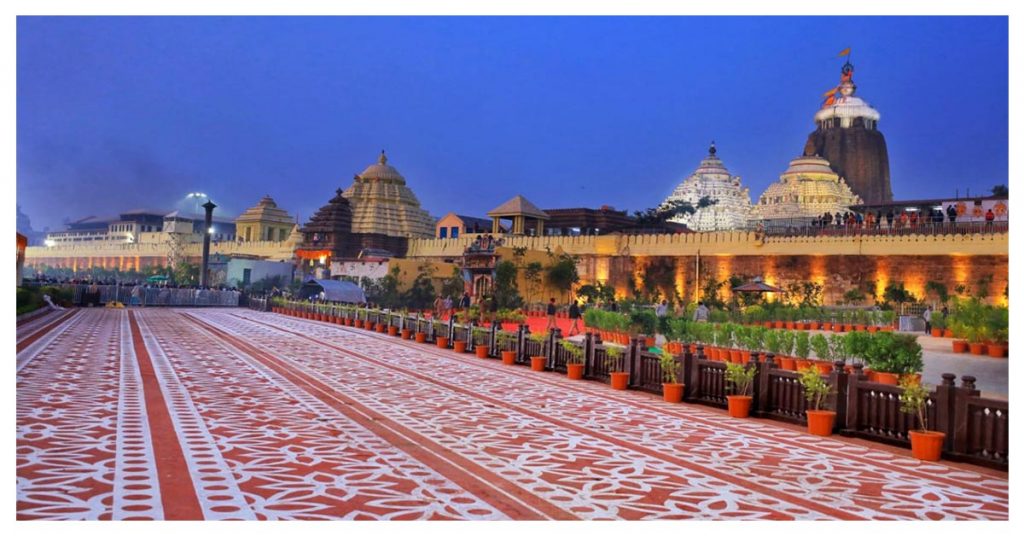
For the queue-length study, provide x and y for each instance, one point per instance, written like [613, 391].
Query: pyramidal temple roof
[518, 206]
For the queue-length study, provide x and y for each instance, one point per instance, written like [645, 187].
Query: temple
[731, 200]
[383, 204]
[265, 221]
[807, 189]
[848, 137]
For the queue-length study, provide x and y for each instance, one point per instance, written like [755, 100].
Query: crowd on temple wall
[892, 220]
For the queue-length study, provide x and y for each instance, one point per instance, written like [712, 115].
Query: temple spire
[383, 158]
[712, 150]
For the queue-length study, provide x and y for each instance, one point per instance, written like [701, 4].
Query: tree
[658, 215]
[421, 294]
[506, 286]
[1001, 190]
[710, 293]
[561, 274]
[533, 274]
[185, 273]
[805, 293]
[454, 285]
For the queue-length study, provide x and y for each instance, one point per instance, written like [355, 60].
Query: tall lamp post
[203, 275]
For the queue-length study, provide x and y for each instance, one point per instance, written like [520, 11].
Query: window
[281, 236]
[443, 233]
[455, 232]
[248, 237]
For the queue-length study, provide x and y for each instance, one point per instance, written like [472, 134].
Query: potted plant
[787, 339]
[508, 357]
[925, 444]
[999, 322]
[619, 378]
[816, 390]
[741, 378]
[574, 360]
[538, 362]
[442, 342]
[671, 389]
[802, 349]
[938, 324]
[482, 351]
[822, 350]
[773, 343]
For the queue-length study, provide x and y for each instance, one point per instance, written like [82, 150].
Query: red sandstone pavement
[235, 414]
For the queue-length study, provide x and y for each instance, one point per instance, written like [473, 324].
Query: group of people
[443, 305]
[906, 219]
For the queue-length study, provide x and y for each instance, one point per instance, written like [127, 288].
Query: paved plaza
[236, 414]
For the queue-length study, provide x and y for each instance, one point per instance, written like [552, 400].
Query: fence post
[945, 409]
[553, 337]
[523, 336]
[840, 382]
[694, 388]
[632, 359]
[492, 339]
[965, 391]
[687, 371]
[755, 387]
[762, 382]
[852, 407]
[588, 353]
[451, 332]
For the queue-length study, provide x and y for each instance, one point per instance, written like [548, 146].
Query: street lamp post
[203, 275]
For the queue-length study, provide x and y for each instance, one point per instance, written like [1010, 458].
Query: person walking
[989, 218]
[702, 313]
[662, 309]
[465, 301]
[574, 318]
[551, 315]
[447, 307]
[438, 306]
[927, 315]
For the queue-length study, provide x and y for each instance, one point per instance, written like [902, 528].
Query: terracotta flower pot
[959, 346]
[915, 379]
[888, 378]
[735, 356]
[508, 357]
[406, 333]
[442, 342]
[847, 327]
[786, 363]
[820, 422]
[998, 350]
[767, 323]
[393, 330]
[926, 445]
[672, 392]
[620, 380]
[936, 332]
[779, 324]
[838, 328]
[823, 367]
[382, 328]
[739, 405]
[537, 363]
[460, 347]
[482, 351]
[872, 329]
[948, 333]
[745, 356]
[977, 348]
[421, 337]
[790, 324]
[650, 341]
[574, 371]
[348, 321]
[359, 323]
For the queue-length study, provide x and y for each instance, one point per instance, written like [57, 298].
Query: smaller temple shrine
[265, 221]
[327, 236]
[806, 190]
[730, 206]
[479, 264]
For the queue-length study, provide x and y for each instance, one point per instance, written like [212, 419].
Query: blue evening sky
[122, 113]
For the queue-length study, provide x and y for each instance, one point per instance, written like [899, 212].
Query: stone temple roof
[518, 206]
[334, 217]
[383, 204]
[266, 211]
[808, 188]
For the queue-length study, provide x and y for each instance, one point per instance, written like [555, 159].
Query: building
[265, 221]
[587, 221]
[127, 227]
[806, 190]
[454, 225]
[847, 136]
[22, 244]
[327, 236]
[382, 204]
[526, 217]
[730, 208]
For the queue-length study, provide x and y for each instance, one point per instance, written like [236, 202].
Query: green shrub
[819, 343]
[816, 388]
[802, 347]
[28, 299]
[740, 377]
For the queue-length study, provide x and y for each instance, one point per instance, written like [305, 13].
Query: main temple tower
[848, 137]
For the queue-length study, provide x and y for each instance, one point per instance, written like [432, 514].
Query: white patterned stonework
[281, 418]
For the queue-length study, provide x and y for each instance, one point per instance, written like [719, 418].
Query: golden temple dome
[383, 204]
[807, 189]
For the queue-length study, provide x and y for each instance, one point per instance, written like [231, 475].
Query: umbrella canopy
[757, 285]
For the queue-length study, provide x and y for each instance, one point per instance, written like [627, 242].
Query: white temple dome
[807, 189]
[382, 171]
[711, 179]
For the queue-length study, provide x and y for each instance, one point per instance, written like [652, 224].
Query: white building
[712, 180]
